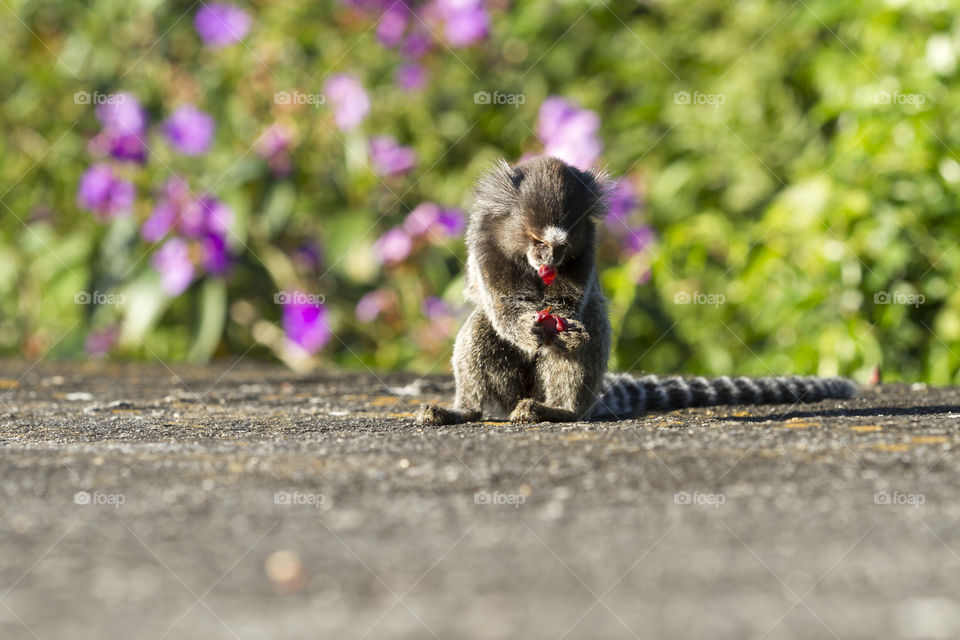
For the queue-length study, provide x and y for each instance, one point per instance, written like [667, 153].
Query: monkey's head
[542, 211]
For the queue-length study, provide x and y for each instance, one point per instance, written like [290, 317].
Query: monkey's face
[542, 212]
[547, 246]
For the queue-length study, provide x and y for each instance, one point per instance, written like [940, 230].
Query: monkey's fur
[544, 212]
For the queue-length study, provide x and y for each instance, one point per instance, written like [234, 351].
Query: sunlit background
[290, 180]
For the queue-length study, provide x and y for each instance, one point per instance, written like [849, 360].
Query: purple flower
[205, 215]
[371, 305]
[308, 256]
[204, 219]
[394, 246]
[274, 145]
[189, 130]
[99, 343]
[427, 219]
[371, 5]
[452, 222]
[410, 77]
[216, 260]
[122, 146]
[305, 324]
[435, 308]
[465, 21]
[172, 262]
[569, 133]
[348, 99]
[163, 218]
[392, 25]
[104, 193]
[124, 128]
[194, 217]
[638, 239]
[166, 214]
[275, 139]
[122, 113]
[390, 158]
[416, 45]
[623, 201]
[423, 217]
[220, 24]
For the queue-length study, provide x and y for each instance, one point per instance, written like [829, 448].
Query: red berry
[550, 323]
[547, 273]
[561, 324]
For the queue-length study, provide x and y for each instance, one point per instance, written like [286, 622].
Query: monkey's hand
[572, 337]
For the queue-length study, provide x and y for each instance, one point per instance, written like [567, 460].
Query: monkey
[540, 217]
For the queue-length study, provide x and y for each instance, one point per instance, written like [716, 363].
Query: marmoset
[536, 345]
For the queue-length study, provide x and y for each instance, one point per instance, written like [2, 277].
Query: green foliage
[812, 170]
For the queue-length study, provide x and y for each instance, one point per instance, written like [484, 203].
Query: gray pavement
[248, 502]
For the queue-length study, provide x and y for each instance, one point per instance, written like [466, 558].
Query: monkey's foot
[530, 410]
[434, 415]
[525, 411]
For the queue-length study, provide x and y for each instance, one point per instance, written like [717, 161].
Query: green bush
[796, 161]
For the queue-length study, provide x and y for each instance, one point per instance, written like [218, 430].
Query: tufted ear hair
[498, 189]
[600, 184]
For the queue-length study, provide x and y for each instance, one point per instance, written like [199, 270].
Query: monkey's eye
[538, 243]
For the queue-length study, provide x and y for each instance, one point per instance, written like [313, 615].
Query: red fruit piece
[543, 314]
[551, 323]
[547, 273]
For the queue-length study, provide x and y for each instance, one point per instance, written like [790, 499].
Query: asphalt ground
[140, 501]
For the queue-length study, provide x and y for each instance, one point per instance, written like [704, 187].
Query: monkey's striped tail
[624, 396]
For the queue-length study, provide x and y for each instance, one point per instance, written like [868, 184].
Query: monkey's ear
[600, 184]
[497, 190]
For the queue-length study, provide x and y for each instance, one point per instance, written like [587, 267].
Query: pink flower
[104, 193]
[220, 24]
[99, 343]
[638, 239]
[274, 146]
[569, 133]
[348, 99]
[305, 323]
[392, 25]
[173, 263]
[389, 158]
[394, 246]
[190, 130]
[427, 219]
[411, 77]
[465, 21]
[372, 304]
[623, 201]
[124, 128]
